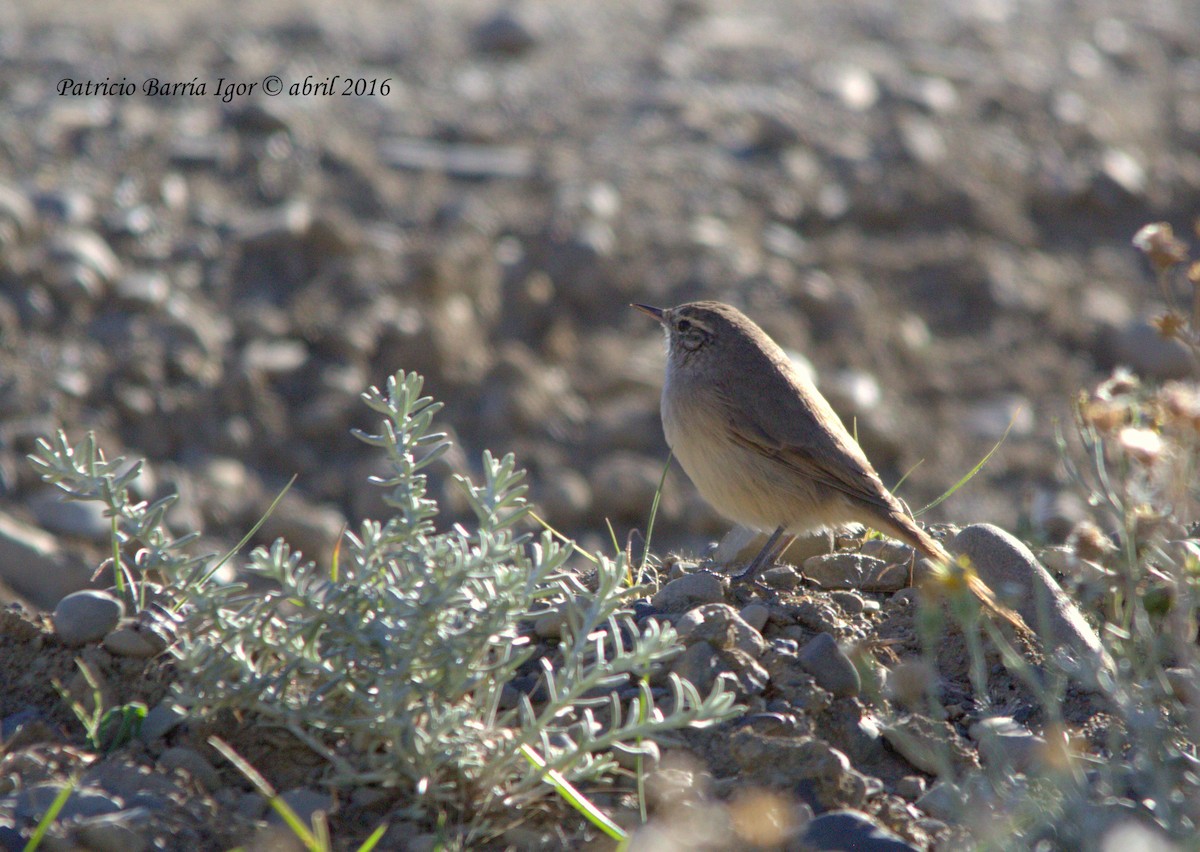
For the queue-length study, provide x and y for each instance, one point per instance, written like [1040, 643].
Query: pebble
[86, 616]
[80, 518]
[720, 625]
[944, 801]
[116, 832]
[32, 802]
[853, 571]
[929, 746]
[698, 665]
[756, 615]
[690, 590]
[161, 719]
[305, 801]
[830, 667]
[1008, 566]
[1003, 742]
[193, 763]
[132, 640]
[911, 787]
[1139, 346]
[503, 34]
[34, 565]
[851, 829]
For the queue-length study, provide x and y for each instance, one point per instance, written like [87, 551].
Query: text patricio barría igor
[225, 89]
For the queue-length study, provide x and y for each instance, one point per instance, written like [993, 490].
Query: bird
[765, 448]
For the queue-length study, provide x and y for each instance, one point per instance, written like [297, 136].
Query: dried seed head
[1169, 324]
[1141, 444]
[1160, 245]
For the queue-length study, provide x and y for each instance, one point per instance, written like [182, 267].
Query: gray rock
[943, 801]
[132, 640]
[830, 667]
[162, 718]
[32, 563]
[930, 746]
[1013, 572]
[850, 603]
[850, 829]
[145, 289]
[683, 593]
[783, 577]
[1140, 347]
[123, 831]
[720, 625]
[305, 802]
[86, 616]
[756, 615]
[193, 763]
[80, 518]
[698, 665]
[503, 34]
[1003, 742]
[911, 787]
[33, 802]
[855, 571]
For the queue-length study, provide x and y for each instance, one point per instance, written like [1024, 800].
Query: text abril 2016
[226, 89]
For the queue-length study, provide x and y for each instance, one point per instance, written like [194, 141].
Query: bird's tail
[905, 529]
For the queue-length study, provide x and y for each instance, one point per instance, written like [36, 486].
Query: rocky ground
[932, 202]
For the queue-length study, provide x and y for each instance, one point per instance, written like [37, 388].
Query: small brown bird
[761, 443]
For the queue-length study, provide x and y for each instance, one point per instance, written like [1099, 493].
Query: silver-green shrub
[397, 665]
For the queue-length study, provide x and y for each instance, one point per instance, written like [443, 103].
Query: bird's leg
[769, 553]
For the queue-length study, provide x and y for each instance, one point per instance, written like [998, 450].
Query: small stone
[34, 565]
[1141, 347]
[841, 570]
[131, 641]
[146, 289]
[756, 615]
[689, 591]
[942, 801]
[929, 746]
[851, 829]
[305, 802]
[783, 577]
[911, 787]
[33, 802]
[697, 665]
[720, 625]
[116, 832]
[86, 616]
[162, 718]
[193, 763]
[81, 518]
[829, 665]
[1003, 742]
[850, 603]
[504, 34]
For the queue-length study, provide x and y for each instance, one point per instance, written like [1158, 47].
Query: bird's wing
[810, 439]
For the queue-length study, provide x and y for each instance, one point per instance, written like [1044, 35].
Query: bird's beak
[657, 313]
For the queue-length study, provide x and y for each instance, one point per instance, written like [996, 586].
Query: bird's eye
[684, 325]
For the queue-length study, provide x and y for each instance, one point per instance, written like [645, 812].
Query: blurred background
[932, 202]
